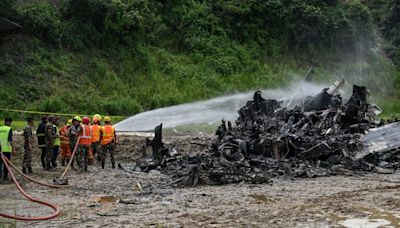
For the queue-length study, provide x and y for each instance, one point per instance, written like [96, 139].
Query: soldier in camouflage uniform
[28, 145]
[49, 139]
[73, 134]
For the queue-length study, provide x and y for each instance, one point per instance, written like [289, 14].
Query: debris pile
[321, 137]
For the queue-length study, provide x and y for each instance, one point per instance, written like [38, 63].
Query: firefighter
[96, 135]
[64, 141]
[85, 143]
[73, 133]
[108, 140]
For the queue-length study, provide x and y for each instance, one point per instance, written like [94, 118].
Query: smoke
[213, 110]
[368, 66]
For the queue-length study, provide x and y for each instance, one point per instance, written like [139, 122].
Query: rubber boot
[30, 170]
[24, 170]
[63, 162]
[86, 167]
[113, 165]
[102, 165]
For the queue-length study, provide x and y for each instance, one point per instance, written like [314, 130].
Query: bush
[42, 20]
[120, 106]
[53, 104]
[134, 55]
[390, 27]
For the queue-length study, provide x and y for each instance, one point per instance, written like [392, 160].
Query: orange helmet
[85, 120]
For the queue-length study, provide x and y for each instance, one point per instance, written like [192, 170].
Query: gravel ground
[112, 197]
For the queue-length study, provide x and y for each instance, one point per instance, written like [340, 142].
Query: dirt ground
[112, 197]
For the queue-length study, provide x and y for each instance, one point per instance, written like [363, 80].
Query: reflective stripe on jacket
[86, 135]
[108, 133]
[96, 133]
[57, 142]
[40, 135]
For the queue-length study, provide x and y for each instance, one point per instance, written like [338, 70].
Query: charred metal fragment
[268, 140]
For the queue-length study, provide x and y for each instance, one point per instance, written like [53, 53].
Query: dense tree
[391, 30]
[275, 26]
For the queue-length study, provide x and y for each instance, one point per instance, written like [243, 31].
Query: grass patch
[390, 107]
[16, 125]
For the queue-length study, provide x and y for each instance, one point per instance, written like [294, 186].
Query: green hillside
[121, 57]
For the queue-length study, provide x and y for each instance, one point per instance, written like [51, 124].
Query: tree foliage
[273, 27]
[134, 55]
[390, 25]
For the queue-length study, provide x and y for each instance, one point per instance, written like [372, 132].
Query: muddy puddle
[106, 199]
[373, 218]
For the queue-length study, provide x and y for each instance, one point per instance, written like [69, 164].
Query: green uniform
[109, 148]
[28, 142]
[49, 139]
[73, 134]
[56, 147]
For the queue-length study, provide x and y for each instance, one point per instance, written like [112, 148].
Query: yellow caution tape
[49, 113]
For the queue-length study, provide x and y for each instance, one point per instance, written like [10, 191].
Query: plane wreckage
[322, 136]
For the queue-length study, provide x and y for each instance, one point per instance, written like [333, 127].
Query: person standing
[96, 135]
[7, 146]
[50, 140]
[64, 141]
[85, 142]
[28, 146]
[40, 133]
[108, 140]
[57, 142]
[73, 133]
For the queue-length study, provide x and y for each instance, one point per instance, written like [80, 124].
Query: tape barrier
[50, 113]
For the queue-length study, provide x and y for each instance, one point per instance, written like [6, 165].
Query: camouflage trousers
[82, 156]
[108, 148]
[95, 149]
[27, 162]
[49, 156]
[72, 147]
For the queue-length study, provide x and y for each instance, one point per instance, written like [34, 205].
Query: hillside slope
[120, 57]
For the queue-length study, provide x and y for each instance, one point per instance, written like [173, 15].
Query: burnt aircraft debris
[323, 136]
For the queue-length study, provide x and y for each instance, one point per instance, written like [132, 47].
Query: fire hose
[7, 164]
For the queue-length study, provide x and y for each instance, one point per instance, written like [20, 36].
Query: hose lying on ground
[47, 217]
[7, 164]
[34, 180]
